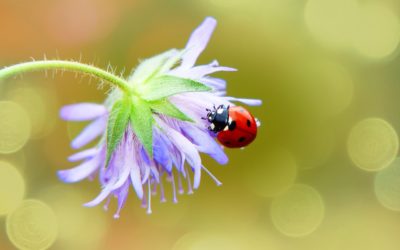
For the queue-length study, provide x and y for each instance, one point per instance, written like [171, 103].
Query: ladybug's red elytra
[235, 126]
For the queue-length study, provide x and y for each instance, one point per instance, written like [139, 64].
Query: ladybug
[235, 126]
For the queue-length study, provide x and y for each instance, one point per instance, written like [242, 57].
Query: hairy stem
[64, 65]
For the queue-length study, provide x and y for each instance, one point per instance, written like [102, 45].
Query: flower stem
[65, 65]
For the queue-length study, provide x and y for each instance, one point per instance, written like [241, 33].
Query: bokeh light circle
[378, 33]
[275, 175]
[298, 212]
[15, 127]
[12, 188]
[73, 219]
[40, 106]
[329, 87]
[387, 186]
[372, 144]
[32, 226]
[331, 21]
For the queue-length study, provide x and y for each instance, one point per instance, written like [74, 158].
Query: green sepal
[165, 107]
[166, 85]
[172, 61]
[142, 123]
[117, 123]
[150, 67]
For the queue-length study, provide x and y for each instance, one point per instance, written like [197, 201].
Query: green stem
[65, 65]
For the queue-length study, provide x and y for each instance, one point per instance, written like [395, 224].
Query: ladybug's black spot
[241, 139]
[232, 126]
[248, 123]
[227, 142]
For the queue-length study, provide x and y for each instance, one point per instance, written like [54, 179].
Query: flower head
[155, 133]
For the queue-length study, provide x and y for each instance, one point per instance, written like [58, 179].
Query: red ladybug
[235, 126]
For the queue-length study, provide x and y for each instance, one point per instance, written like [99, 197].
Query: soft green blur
[320, 175]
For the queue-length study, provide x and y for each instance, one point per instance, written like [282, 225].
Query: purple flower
[156, 134]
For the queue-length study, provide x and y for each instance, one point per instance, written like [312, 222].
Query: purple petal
[145, 175]
[88, 153]
[103, 194]
[122, 177]
[203, 70]
[205, 143]
[178, 158]
[136, 181]
[90, 132]
[250, 102]
[161, 149]
[82, 111]
[122, 195]
[198, 42]
[144, 156]
[196, 178]
[200, 71]
[186, 147]
[215, 83]
[124, 169]
[155, 173]
[80, 172]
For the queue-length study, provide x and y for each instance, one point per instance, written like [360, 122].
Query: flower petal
[205, 143]
[122, 195]
[88, 153]
[146, 175]
[196, 178]
[250, 102]
[82, 111]
[90, 132]
[136, 181]
[103, 194]
[198, 42]
[186, 147]
[155, 173]
[215, 83]
[162, 151]
[80, 172]
[198, 72]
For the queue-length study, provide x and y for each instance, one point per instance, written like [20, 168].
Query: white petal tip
[75, 146]
[89, 204]
[64, 176]
[210, 20]
[116, 216]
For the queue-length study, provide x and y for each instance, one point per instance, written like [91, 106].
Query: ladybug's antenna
[208, 110]
[203, 118]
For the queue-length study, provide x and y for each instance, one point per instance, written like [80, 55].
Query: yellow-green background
[320, 67]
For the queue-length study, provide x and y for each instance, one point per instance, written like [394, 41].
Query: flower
[146, 137]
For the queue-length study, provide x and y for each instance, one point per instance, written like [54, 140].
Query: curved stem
[65, 65]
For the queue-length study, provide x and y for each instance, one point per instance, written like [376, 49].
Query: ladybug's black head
[218, 118]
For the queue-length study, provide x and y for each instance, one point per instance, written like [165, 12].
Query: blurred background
[323, 172]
